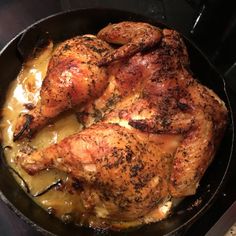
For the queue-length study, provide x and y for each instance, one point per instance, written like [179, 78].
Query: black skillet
[65, 25]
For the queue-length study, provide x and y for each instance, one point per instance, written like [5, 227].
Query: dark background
[211, 24]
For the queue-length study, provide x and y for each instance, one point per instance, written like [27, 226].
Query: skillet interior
[69, 24]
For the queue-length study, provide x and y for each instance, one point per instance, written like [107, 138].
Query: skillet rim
[213, 197]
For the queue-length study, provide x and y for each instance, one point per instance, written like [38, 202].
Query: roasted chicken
[134, 36]
[154, 140]
[73, 79]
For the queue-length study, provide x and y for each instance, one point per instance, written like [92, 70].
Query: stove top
[193, 18]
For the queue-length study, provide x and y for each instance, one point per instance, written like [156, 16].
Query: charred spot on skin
[185, 153]
[139, 185]
[165, 122]
[29, 106]
[93, 82]
[112, 100]
[77, 184]
[25, 127]
[182, 106]
[135, 169]
[80, 116]
[66, 47]
[138, 124]
[129, 154]
[96, 49]
[97, 115]
[87, 38]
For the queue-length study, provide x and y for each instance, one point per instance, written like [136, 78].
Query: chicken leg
[73, 79]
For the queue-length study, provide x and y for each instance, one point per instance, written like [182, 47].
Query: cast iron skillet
[66, 25]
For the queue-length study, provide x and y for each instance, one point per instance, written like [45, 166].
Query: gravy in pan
[62, 200]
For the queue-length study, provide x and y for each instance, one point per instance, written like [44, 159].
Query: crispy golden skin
[134, 36]
[73, 79]
[155, 140]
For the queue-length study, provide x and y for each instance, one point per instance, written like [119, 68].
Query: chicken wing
[134, 36]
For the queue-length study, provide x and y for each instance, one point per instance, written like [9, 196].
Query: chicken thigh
[73, 79]
[154, 141]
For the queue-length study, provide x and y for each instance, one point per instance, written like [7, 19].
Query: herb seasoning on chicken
[149, 130]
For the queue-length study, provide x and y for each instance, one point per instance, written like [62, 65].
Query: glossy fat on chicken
[153, 141]
[73, 79]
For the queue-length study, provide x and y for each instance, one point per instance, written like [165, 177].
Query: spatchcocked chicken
[150, 129]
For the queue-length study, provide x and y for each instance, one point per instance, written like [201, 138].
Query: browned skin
[77, 59]
[73, 79]
[124, 171]
[156, 141]
[134, 36]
